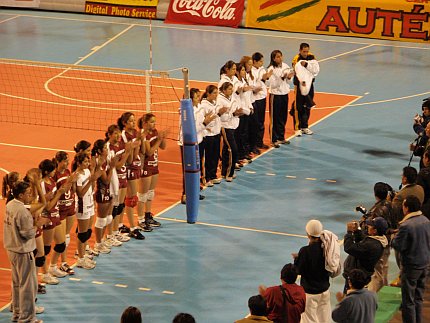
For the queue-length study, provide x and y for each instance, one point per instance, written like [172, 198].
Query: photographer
[421, 144]
[420, 122]
[364, 251]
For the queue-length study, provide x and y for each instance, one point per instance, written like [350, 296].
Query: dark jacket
[363, 252]
[413, 241]
[423, 180]
[310, 263]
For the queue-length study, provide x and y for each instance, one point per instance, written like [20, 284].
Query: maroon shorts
[55, 220]
[122, 179]
[103, 196]
[66, 211]
[39, 232]
[133, 172]
[149, 171]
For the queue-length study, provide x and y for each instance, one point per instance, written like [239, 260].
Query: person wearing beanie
[310, 264]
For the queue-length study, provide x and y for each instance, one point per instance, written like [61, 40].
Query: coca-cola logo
[216, 9]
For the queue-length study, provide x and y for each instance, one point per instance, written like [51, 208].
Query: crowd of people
[108, 179]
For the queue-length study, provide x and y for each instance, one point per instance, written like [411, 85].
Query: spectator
[131, 315]
[359, 305]
[258, 309]
[286, 302]
[364, 251]
[423, 179]
[413, 243]
[183, 318]
[310, 263]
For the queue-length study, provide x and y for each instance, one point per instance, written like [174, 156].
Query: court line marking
[232, 227]
[346, 53]
[5, 269]
[93, 51]
[66, 150]
[301, 38]
[8, 19]
[4, 170]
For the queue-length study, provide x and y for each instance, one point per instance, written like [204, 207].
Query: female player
[84, 191]
[66, 203]
[229, 122]
[53, 231]
[127, 124]
[279, 87]
[118, 149]
[154, 140]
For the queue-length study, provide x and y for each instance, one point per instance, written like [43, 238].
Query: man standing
[364, 251]
[286, 302]
[413, 243]
[310, 264]
[359, 305]
[19, 241]
[304, 88]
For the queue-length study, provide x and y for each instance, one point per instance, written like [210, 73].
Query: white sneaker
[49, 279]
[115, 242]
[307, 131]
[122, 237]
[92, 252]
[90, 260]
[298, 133]
[85, 264]
[40, 309]
[209, 184]
[107, 243]
[216, 180]
[54, 271]
[101, 248]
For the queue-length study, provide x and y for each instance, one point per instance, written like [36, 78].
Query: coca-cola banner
[206, 12]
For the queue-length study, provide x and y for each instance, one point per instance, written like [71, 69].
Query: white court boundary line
[301, 38]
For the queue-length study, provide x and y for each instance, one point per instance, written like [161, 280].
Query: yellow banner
[406, 20]
[132, 3]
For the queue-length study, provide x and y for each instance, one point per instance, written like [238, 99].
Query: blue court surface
[247, 229]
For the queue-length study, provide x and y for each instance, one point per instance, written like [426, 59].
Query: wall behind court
[405, 20]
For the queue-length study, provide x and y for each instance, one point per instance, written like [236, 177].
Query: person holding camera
[421, 122]
[412, 241]
[421, 144]
[364, 251]
[359, 305]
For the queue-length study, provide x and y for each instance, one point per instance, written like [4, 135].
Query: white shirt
[258, 73]
[277, 85]
[214, 127]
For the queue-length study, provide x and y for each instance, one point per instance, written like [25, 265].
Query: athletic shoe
[49, 279]
[66, 268]
[155, 223]
[85, 264]
[107, 243]
[216, 181]
[40, 309]
[298, 133]
[137, 235]
[209, 184]
[229, 179]
[41, 289]
[307, 131]
[276, 145]
[145, 226]
[256, 151]
[285, 142]
[122, 237]
[101, 248]
[115, 242]
[90, 260]
[244, 162]
[92, 252]
[54, 271]
[263, 146]
[124, 229]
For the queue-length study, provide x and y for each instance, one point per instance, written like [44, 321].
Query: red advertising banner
[206, 12]
[96, 8]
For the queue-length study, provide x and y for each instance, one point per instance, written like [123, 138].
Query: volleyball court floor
[367, 93]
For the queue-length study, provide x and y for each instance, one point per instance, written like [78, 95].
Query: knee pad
[60, 247]
[142, 197]
[109, 219]
[100, 223]
[47, 250]
[89, 232]
[151, 194]
[120, 209]
[40, 261]
[131, 201]
[114, 212]
[67, 239]
[83, 236]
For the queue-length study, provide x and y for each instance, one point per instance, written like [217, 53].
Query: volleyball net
[87, 97]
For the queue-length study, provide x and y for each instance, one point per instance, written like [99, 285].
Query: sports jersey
[86, 202]
[53, 214]
[66, 203]
[150, 165]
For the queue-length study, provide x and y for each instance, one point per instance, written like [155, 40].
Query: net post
[185, 74]
[148, 91]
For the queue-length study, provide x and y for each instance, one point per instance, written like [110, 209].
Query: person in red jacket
[286, 302]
